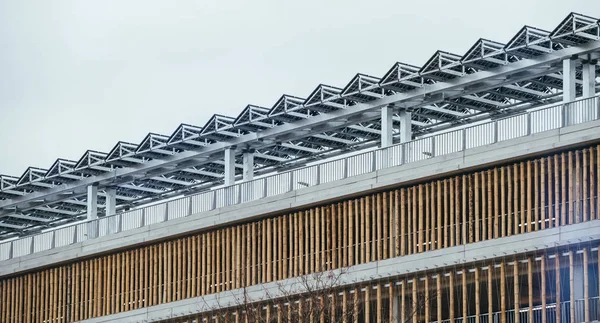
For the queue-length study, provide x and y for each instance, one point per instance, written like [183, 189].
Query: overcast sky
[78, 75]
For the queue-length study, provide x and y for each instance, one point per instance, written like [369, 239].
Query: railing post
[291, 184]
[264, 179]
[234, 190]
[98, 234]
[190, 206]
[166, 217]
[563, 116]
[10, 250]
[32, 245]
[318, 181]
[75, 233]
[529, 126]
[119, 218]
[374, 160]
[214, 200]
[403, 149]
[143, 220]
[111, 222]
[346, 167]
[97, 228]
[53, 243]
[432, 146]
[464, 139]
[495, 132]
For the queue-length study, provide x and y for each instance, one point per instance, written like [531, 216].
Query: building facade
[495, 222]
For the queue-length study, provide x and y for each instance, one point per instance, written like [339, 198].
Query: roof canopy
[448, 90]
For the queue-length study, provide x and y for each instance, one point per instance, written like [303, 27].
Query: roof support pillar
[92, 202]
[569, 111]
[248, 173]
[387, 125]
[590, 108]
[569, 80]
[229, 166]
[589, 79]
[111, 201]
[405, 126]
[405, 134]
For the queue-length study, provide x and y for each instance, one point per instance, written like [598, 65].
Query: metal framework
[490, 80]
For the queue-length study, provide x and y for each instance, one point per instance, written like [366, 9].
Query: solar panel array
[528, 43]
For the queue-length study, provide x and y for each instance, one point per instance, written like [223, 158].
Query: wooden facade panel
[501, 201]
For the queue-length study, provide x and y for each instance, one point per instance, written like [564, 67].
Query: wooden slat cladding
[521, 197]
[522, 288]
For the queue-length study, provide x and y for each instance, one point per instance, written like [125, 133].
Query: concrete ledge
[444, 165]
[439, 259]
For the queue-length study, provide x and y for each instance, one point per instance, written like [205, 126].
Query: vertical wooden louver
[516, 198]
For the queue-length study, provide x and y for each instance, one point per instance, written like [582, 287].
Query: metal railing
[536, 314]
[512, 127]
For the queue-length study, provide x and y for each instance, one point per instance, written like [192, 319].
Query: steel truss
[490, 80]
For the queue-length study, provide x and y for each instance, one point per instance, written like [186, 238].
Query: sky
[79, 75]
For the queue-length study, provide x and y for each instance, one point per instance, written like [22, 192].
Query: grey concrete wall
[448, 257]
[404, 174]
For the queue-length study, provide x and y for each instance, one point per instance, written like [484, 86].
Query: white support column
[569, 111]
[569, 80]
[111, 201]
[92, 211]
[247, 190]
[405, 126]
[405, 134]
[229, 166]
[92, 202]
[110, 208]
[589, 79]
[590, 109]
[387, 125]
[248, 172]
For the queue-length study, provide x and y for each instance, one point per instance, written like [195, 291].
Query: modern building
[464, 190]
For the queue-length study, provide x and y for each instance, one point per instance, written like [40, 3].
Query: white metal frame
[513, 127]
[491, 80]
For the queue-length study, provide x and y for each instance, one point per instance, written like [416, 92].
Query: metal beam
[299, 147]
[484, 100]
[12, 226]
[365, 129]
[270, 157]
[30, 218]
[524, 90]
[222, 163]
[141, 188]
[77, 202]
[332, 138]
[171, 181]
[443, 110]
[203, 173]
[55, 210]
